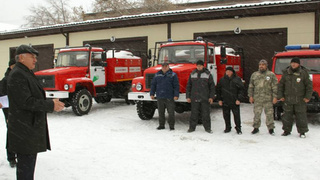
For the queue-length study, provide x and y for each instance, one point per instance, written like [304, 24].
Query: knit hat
[262, 61]
[199, 62]
[229, 68]
[295, 60]
[12, 62]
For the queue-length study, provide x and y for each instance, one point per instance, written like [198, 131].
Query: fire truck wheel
[145, 110]
[82, 102]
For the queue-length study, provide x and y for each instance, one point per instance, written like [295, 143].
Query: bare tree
[116, 6]
[156, 5]
[57, 12]
[126, 7]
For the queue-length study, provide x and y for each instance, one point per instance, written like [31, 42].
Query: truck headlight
[139, 87]
[66, 87]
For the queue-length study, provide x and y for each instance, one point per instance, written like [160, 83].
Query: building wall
[301, 30]
[301, 27]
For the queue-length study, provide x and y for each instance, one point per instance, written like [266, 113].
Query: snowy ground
[113, 143]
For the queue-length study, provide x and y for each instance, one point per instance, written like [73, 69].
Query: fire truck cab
[81, 73]
[309, 58]
[182, 57]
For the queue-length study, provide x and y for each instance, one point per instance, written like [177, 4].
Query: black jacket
[200, 86]
[27, 125]
[230, 89]
[3, 88]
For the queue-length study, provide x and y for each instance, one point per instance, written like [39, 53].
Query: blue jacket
[166, 86]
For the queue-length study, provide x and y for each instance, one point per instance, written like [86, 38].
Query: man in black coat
[27, 122]
[229, 93]
[11, 157]
[200, 93]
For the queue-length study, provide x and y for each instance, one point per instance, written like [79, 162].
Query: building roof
[223, 11]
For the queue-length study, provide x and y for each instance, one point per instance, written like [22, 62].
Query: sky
[13, 12]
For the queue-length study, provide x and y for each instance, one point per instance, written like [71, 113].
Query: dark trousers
[300, 111]
[200, 109]
[25, 166]
[164, 104]
[10, 156]
[236, 115]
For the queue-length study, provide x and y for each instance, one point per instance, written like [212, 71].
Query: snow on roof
[121, 54]
[155, 14]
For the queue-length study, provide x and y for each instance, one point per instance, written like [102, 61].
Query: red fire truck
[310, 58]
[182, 57]
[81, 73]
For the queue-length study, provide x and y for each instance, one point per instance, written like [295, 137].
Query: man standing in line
[229, 93]
[295, 90]
[11, 157]
[165, 85]
[200, 93]
[27, 123]
[262, 92]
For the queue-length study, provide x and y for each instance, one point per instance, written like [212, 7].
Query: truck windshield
[311, 63]
[74, 58]
[181, 54]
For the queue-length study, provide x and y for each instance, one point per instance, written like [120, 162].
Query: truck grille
[149, 78]
[47, 81]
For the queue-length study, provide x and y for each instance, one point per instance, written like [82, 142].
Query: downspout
[316, 37]
[168, 31]
[66, 35]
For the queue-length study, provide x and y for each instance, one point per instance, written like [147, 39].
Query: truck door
[97, 71]
[212, 66]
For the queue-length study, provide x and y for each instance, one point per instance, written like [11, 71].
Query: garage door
[138, 45]
[45, 58]
[256, 44]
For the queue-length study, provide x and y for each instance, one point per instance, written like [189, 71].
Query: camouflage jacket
[294, 86]
[263, 86]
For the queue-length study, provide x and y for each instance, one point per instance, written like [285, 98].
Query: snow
[121, 54]
[113, 143]
[7, 27]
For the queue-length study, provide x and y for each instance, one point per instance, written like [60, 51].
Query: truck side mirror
[223, 55]
[55, 62]
[104, 56]
[149, 54]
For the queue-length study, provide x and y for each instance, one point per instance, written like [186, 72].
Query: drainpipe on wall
[66, 35]
[317, 24]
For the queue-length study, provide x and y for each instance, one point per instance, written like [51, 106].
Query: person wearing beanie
[295, 60]
[262, 92]
[27, 126]
[229, 94]
[11, 157]
[200, 93]
[295, 90]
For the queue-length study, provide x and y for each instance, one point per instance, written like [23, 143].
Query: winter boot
[255, 131]
[271, 132]
[302, 135]
[285, 133]
[160, 127]
[227, 130]
[238, 131]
